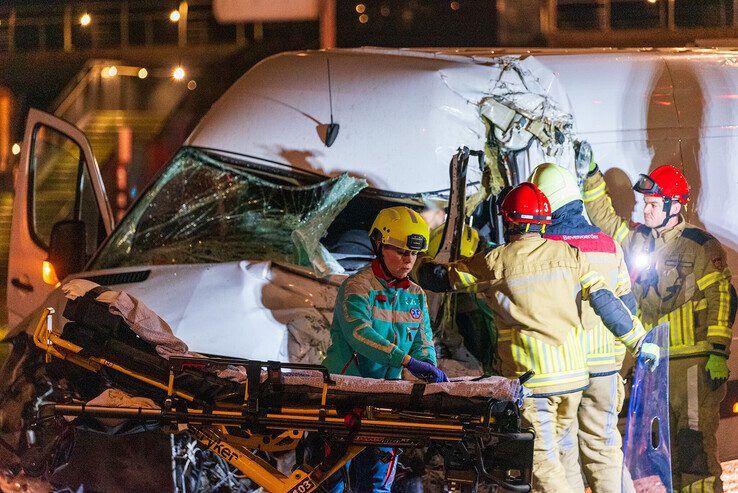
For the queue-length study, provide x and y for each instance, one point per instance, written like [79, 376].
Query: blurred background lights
[178, 73]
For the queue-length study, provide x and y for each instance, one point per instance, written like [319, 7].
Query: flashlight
[642, 260]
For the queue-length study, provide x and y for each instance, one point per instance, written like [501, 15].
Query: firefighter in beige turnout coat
[679, 276]
[534, 287]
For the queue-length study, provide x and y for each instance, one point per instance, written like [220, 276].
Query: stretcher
[273, 407]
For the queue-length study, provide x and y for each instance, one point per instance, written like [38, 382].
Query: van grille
[122, 278]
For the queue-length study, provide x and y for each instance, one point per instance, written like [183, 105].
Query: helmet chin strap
[513, 229]
[377, 247]
[667, 210]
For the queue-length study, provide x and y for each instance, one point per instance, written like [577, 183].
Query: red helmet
[526, 204]
[665, 181]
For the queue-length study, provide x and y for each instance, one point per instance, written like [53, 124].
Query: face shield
[647, 447]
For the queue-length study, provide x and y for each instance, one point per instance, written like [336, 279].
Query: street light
[174, 16]
[178, 73]
[85, 19]
[16, 149]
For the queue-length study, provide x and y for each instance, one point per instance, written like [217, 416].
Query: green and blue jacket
[376, 322]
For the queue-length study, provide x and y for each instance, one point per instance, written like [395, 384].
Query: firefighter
[595, 439]
[534, 287]
[679, 276]
[472, 328]
[380, 325]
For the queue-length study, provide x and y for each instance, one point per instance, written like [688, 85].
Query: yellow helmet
[401, 227]
[469, 241]
[557, 183]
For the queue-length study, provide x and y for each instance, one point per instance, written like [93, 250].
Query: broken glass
[206, 210]
[306, 236]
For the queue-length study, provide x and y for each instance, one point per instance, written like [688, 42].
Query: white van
[224, 244]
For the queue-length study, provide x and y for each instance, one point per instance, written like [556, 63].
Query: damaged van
[242, 240]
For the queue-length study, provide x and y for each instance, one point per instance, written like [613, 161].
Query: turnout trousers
[593, 445]
[552, 419]
[694, 415]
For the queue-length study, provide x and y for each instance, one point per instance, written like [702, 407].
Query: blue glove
[650, 354]
[425, 371]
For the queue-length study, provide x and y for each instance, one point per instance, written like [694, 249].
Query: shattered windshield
[206, 210]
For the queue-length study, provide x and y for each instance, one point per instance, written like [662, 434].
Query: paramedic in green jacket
[380, 325]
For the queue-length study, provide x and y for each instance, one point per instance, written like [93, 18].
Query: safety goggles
[647, 186]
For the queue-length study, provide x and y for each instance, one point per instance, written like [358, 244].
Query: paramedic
[679, 276]
[381, 324]
[594, 438]
[534, 287]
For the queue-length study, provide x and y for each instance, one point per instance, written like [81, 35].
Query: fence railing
[672, 15]
[73, 26]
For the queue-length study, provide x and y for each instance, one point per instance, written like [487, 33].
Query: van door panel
[57, 179]
[622, 156]
[631, 92]
[705, 91]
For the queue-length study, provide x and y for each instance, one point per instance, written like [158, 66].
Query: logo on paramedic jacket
[415, 312]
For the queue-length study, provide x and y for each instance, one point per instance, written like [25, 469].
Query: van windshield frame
[208, 208]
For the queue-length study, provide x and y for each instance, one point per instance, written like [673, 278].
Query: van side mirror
[67, 252]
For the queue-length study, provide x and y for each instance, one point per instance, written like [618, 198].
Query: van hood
[399, 123]
[262, 310]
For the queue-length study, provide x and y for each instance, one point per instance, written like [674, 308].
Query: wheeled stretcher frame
[477, 445]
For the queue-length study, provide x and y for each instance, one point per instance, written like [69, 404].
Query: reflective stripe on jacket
[679, 275]
[605, 354]
[375, 325]
[534, 287]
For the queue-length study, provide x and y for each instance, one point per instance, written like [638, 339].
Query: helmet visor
[646, 186]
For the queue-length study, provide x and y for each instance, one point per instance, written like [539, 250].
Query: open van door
[60, 211]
